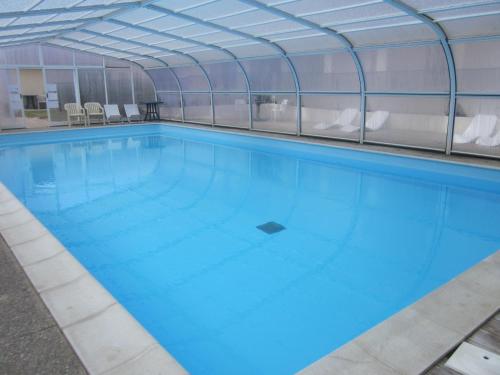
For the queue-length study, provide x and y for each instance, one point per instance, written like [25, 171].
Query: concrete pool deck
[109, 341]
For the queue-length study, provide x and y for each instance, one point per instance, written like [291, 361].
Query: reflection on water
[169, 227]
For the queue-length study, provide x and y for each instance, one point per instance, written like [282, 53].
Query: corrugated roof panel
[252, 50]
[17, 5]
[401, 34]
[217, 37]
[138, 15]
[104, 27]
[32, 19]
[311, 43]
[153, 39]
[128, 33]
[246, 19]
[469, 27]
[351, 15]
[165, 23]
[272, 27]
[209, 55]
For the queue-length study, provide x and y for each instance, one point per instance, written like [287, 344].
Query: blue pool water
[165, 218]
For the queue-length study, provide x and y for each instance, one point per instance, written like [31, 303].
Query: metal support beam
[443, 38]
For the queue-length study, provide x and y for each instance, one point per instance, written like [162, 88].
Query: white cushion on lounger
[489, 141]
[345, 118]
[481, 126]
[112, 111]
[376, 120]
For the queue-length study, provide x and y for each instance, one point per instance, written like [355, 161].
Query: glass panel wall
[91, 82]
[87, 59]
[226, 76]
[118, 83]
[477, 125]
[269, 75]
[231, 94]
[415, 110]
[231, 110]
[60, 90]
[419, 121]
[33, 96]
[144, 89]
[197, 108]
[11, 108]
[275, 112]
[170, 109]
[327, 115]
[57, 56]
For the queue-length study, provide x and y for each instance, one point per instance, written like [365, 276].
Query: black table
[152, 111]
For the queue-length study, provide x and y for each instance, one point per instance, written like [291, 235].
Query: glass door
[33, 97]
[11, 107]
[60, 89]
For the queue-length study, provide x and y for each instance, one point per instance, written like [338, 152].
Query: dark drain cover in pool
[271, 227]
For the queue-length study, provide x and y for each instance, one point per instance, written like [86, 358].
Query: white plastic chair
[132, 112]
[75, 110]
[112, 112]
[344, 119]
[375, 121]
[279, 109]
[481, 126]
[94, 110]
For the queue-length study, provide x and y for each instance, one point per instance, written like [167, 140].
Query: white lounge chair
[344, 119]
[132, 112]
[489, 141]
[375, 120]
[279, 109]
[112, 113]
[94, 110]
[75, 111]
[481, 126]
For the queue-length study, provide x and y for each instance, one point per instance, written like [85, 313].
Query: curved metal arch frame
[281, 51]
[194, 60]
[443, 38]
[343, 40]
[196, 42]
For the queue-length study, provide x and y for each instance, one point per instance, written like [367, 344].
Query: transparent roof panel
[400, 34]
[213, 10]
[465, 12]
[363, 22]
[426, 5]
[474, 26]
[309, 43]
[351, 15]
[165, 23]
[246, 19]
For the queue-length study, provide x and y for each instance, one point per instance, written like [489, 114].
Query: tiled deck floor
[30, 339]
[486, 337]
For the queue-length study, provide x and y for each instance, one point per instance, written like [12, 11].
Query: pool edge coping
[345, 359]
[105, 336]
[414, 339]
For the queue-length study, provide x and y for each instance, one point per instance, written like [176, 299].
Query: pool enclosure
[417, 73]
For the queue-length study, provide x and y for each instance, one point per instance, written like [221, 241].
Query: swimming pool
[166, 219]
